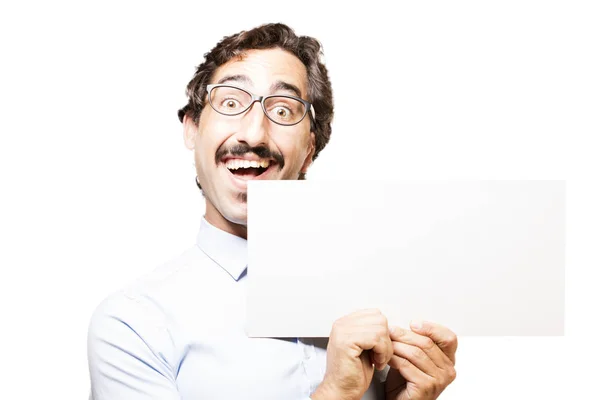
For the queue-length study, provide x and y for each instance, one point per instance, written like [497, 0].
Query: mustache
[242, 149]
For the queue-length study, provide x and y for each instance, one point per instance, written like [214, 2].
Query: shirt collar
[230, 252]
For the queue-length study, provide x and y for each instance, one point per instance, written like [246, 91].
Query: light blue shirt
[178, 334]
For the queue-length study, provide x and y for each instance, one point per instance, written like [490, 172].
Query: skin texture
[422, 360]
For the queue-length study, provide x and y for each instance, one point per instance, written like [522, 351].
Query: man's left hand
[423, 362]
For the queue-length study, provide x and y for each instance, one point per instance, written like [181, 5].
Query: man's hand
[358, 343]
[423, 362]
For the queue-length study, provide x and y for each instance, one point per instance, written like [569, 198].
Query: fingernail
[416, 324]
[392, 329]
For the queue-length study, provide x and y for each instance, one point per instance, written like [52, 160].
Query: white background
[97, 186]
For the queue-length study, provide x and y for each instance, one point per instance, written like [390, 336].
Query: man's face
[221, 143]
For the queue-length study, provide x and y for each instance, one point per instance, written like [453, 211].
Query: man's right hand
[358, 343]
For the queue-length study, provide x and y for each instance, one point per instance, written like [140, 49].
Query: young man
[260, 107]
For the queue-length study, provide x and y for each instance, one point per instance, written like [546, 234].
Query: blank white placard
[480, 257]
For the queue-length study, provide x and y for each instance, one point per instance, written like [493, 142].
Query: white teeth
[237, 164]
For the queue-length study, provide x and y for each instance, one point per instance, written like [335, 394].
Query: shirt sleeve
[130, 351]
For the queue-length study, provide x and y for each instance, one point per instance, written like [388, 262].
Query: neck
[214, 217]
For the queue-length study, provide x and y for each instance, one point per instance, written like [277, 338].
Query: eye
[285, 110]
[282, 112]
[230, 104]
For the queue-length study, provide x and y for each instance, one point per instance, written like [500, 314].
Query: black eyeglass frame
[261, 99]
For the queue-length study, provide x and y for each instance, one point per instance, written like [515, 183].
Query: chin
[237, 214]
[241, 220]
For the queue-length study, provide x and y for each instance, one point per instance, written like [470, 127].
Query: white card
[480, 257]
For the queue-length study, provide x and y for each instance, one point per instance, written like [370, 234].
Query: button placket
[311, 364]
[301, 353]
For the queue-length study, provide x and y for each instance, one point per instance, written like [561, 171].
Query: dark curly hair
[269, 36]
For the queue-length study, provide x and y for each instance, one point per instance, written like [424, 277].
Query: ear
[190, 130]
[311, 152]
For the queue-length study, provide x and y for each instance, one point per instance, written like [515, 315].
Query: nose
[254, 126]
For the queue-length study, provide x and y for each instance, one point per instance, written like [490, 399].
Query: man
[260, 107]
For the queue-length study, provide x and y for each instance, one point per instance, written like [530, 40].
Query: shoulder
[132, 340]
[127, 319]
[143, 309]
[164, 285]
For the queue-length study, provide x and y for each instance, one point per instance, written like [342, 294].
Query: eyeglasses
[281, 109]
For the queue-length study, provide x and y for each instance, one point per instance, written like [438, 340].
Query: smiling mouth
[246, 170]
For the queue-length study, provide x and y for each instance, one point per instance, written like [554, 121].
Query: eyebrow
[235, 78]
[279, 85]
